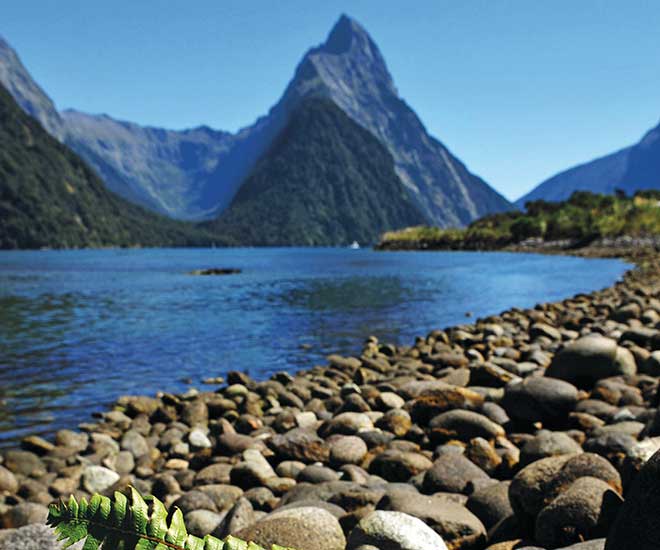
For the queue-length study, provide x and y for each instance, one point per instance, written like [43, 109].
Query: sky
[518, 90]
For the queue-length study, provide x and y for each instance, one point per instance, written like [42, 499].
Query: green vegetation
[132, 523]
[325, 181]
[50, 198]
[581, 219]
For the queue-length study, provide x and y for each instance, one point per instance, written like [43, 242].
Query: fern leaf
[132, 523]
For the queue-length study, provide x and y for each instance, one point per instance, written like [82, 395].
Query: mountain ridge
[633, 168]
[347, 68]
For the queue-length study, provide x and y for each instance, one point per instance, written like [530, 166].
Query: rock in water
[637, 525]
[394, 531]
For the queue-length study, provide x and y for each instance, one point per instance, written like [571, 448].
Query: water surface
[80, 328]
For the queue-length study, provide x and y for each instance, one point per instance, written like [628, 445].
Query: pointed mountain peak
[344, 35]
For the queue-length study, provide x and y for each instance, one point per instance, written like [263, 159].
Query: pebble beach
[531, 429]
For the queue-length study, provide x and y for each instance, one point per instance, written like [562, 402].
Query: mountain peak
[342, 36]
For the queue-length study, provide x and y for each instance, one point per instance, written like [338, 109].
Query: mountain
[643, 169]
[163, 170]
[350, 70]
[324, 181]
[631, 169]
[195, 174]
[50, 198]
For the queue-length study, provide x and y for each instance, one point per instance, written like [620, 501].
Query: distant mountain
[631, 169]
[164, 170]
[50, 198]
[324, 181]
[195, 174]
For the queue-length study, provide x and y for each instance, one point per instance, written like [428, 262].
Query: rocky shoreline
[523, 430]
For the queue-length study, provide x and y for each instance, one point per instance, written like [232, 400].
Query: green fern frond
[132, 524]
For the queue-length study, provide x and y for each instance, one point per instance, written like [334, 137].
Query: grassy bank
[580, 221]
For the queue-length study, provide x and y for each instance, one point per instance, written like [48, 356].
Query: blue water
[80, 328]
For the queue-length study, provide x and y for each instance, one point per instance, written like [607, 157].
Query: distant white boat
[354, 245]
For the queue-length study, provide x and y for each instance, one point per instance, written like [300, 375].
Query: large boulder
[590, 358]
[393, 531]
[304, 528]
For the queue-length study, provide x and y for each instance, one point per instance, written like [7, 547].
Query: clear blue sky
[517, 89]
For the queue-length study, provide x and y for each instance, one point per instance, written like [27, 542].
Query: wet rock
[394, 531]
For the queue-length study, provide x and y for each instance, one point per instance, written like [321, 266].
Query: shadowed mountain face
[630, 169]
[195, 174]
[324, 181]
[50, 198]
[643, 170]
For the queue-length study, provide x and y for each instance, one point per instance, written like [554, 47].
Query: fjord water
[80, 328]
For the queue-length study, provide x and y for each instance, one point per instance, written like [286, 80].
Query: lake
[80, 328]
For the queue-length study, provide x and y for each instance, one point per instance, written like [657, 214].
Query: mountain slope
[50, 198]
[643, 168]
[324, 181]
[602, 175]
[631, 169]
